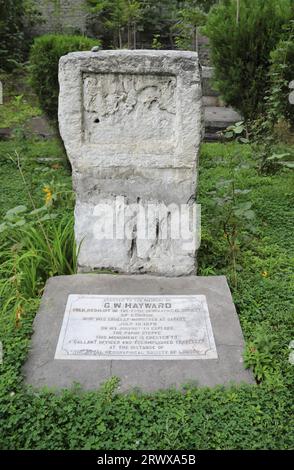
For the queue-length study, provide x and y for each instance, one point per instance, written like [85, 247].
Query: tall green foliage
[163, 21]
[11, 33]
[121, 18]
[45, 54]
[204, 5]
[189, 18]
[159, 19]
[281, 74]
[242, 34]
[16, 19]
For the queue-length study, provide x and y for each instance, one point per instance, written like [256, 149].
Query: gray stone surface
[220, 117]
[42, 370]
[40, 127]
[207, 82]
[131, 122]
[62, 16]
[217, 116]
[214, 101]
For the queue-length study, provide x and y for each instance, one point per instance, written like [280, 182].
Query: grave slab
[195, 317]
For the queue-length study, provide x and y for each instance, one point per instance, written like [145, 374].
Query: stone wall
[66, 16]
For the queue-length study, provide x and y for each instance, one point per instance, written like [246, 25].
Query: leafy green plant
[278, 106]
[137, 23]
[237, 131]
[11, 33]
[270, 155]
[44, 57]
[121, 17]
[133, 14]
[275, 125]
[234, 217]
[17, 107]
[42, 239]
[189, 18]
[19, 216]
[36, 253]
[274, 162]
[258, 353]
[241, 43]
[156, 44]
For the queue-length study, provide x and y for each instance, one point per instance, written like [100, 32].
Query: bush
[11, 33]
[16, 19]
[44, 57]
[241, 49]
[281, 74]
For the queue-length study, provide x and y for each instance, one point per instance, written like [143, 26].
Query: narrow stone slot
[168, 229]
[133, 248]
[157, 231]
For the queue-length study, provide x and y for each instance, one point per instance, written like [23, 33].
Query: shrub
[241, 45]
[16, 18]
[44, 57]
[281, 74]
[11, 33]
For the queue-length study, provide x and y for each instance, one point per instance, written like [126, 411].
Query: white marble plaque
[132, 327]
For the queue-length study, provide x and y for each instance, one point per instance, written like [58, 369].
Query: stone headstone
[152, 332]
[131, 122]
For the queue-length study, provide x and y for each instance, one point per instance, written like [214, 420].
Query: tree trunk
[194, 39]
[129, 35]
[238, 12]
[119, 38]
[197, 41]
[135, 36]
[171, 39]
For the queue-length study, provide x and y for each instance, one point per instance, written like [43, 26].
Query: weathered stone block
[131, 122]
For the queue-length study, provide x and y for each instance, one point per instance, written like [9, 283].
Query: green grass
[264, 295]
[37, 169]
[237, 417]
